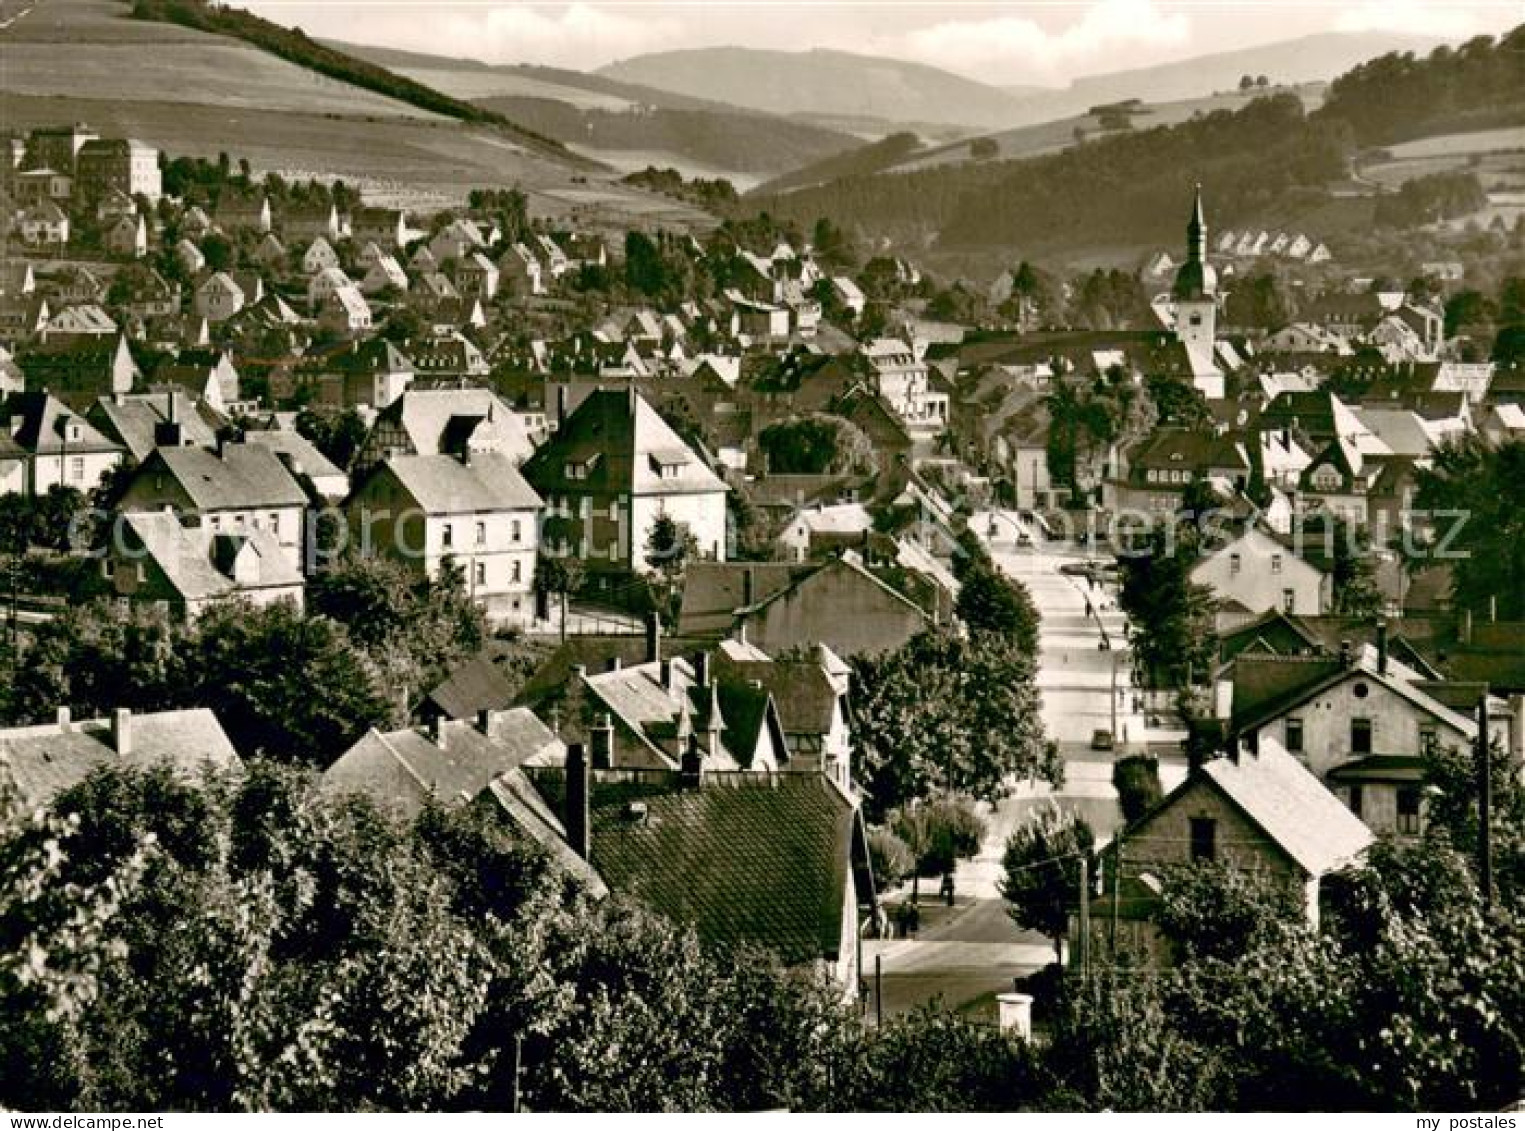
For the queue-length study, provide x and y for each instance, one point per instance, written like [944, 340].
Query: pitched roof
[403, 770]
[445, 485]
[46, 760]
[1292, 807]
[296, 447]
[44, 421]
[242, 477]
[475, 684]
[198, 562]
[743, 858]
[625, 445]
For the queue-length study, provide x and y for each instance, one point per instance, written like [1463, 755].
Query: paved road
[976, 950]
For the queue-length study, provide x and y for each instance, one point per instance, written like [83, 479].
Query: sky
[1040, 42]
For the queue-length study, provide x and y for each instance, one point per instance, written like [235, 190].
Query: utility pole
[1484, 804]
[1085, 920]
[1117, 883]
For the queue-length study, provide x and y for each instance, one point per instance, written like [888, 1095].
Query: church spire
[1196, 230]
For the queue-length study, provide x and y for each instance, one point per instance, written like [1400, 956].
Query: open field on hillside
[1050, 137]
[92, 49]
[415, 163]
[476, 84]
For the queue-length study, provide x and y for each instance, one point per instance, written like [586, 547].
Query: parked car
[1102, 740]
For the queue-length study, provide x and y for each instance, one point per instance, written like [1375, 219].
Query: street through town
[964, 955]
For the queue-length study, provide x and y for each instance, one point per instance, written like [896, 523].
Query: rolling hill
[623, 124]
[195, 93]
[820, 82]
[1309, 59]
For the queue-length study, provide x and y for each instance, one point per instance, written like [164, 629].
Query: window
[1355, 800]
[1275, 563]
[481, 534]
[275, 523]
[1360, 736]
[77, 469]
[517, 531]
[447, 535]
[1204, 838]
[1294, 736]
[1408, 809]
[480, 573]
[1234, 563]
[1289, 599]
[517, 572]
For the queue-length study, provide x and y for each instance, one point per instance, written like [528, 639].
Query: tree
[937, 833]
[1171, 615]
[1042, 868]
[1476, 493]
[989, 601]
[817, 444]
[943, 712]
[559, 576]
[1215, 910]
[1137, 781]
[1353, 574]
[890, 857]
[337, 435]
[670, 546]
[219, 251]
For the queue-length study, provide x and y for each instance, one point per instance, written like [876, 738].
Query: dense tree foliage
[989, 600]
[1043, 865]
[1171, 616]
[817, 444]
[944, 712]
[1476, 493]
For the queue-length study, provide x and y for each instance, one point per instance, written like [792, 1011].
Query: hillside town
[965, 649]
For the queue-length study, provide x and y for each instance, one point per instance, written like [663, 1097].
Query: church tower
[1196, 299]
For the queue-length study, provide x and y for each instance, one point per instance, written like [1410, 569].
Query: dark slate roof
[43, 419]
[713, 591]
[133, 419]
[1264, 684]
[744, 858]
[474, 685]
[802, 691]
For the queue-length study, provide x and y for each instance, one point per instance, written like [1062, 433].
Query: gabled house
[127, 237]
[345, 312]
[141, 422]
[238, 490]
[839, 603]
[48, 759]
[810, 696]
[1170, 461]
[219, 298]
[1359, 721]
[302, 459]
[386, 227]
[1255, 572]
[430, 422]
[185, 567]
[476, 276]
[189, 256]
[384, 274]
[773, 860]
[300, 224]
[372, 373]
[324, 283]
[46, 444]
[446, 763]
[84, 323]
[271, 253]
[45, 225]
[455, 240]
[607, 473]
[319, 256]
[519, 271]
[1260, 813]
[208, 374]
[474, 510]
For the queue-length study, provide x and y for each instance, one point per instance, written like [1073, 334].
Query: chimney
[1381, 647]
[579, 671]
[1347, 653]
[561, 405]
[1223, 699]
[484, 721]
[653, 637]
[578, 785]
[602, 738]
[437, 731]
[64, 719]
[666, 674]
[748, 587]
[615, 663]
[691, 772]
[702, 669]
[121, 730]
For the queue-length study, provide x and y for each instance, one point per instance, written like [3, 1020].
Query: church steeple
[1196, 279]
[1196, 230]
